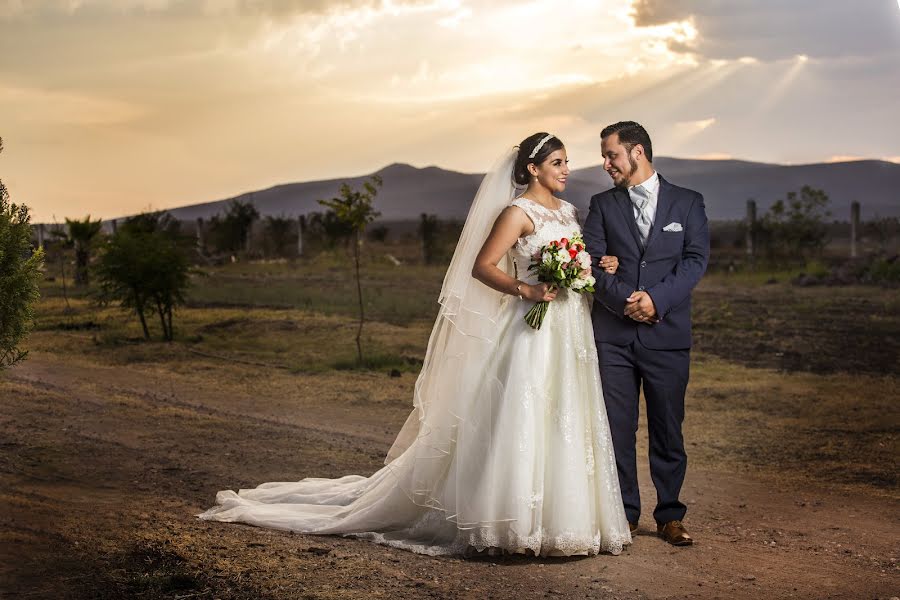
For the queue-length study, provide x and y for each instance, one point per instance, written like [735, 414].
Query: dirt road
[103, 469]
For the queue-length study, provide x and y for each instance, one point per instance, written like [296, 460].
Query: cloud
[807, 121]
[839, 158]
[774, 29]
[52, 107]
[454, 20]
[714, 156]
[287, 8]
[696, 126]
[37, 9]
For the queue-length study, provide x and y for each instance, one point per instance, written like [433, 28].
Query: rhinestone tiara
[541, 143]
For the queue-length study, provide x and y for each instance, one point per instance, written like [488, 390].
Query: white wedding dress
[508, 447]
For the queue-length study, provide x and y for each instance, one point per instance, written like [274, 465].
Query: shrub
[20, 274]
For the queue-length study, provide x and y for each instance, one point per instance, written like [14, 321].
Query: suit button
[641, 288]
[643, 263]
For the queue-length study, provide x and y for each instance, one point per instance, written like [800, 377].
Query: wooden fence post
[751, 228]
[201, 238]
[301, 229]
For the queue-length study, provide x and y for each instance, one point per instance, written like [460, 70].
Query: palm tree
[82, 234]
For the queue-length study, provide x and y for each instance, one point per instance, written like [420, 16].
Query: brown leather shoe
[632, 526]
[674, 533]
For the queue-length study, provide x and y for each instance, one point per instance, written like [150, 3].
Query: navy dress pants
[664, 376]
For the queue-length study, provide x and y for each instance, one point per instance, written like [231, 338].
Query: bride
[507, 447]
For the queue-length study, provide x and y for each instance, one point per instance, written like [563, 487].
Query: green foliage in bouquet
[561, 264]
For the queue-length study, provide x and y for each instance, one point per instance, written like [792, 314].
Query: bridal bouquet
[563, 264]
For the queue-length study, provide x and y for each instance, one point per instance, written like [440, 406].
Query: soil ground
[110, 449]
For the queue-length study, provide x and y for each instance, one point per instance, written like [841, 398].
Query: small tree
[145, 267]
[796, 227]
[379, 234]
[229, 233]
[883, 230]
[278, 234]
[58, 248]
[20, 275]
[328, 229]
[82, 235]
[354, 209]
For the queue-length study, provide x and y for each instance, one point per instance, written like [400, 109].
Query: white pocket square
[673, 227]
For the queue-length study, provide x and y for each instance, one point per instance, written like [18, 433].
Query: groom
[642, 314]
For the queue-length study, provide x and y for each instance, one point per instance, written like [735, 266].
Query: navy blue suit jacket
[668, 268]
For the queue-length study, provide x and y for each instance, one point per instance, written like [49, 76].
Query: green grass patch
[392, 294]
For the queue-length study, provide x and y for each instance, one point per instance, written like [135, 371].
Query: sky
[111, 107]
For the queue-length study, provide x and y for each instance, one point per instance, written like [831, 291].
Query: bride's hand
[609, 264]
[540, 292]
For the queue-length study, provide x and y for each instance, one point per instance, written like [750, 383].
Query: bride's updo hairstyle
[520, 171]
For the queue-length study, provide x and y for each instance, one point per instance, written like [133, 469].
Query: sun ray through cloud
[433, 81]
[780, 87]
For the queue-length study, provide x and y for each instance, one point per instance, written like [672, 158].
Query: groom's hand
[639, 306]
[609, 264]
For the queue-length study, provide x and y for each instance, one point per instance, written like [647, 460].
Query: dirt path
[103, 468]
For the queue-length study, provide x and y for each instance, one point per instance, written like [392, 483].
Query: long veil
[465, 325]
[451, 428]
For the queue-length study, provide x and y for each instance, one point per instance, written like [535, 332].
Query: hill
[726, 184]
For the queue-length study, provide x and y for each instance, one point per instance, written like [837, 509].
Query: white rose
[546, 257]
[578, 284]
[563, 256]
[584, 259]
[589, 280]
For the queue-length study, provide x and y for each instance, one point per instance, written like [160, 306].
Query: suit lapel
[624, 202]
[664, 202]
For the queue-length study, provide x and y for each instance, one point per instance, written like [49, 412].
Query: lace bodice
[548, 225]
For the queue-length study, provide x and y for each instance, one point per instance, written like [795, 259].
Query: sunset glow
[115, 107]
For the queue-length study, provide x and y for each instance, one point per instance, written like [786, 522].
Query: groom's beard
[626, 177]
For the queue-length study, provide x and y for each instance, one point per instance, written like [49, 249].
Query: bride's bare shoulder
[515, 217]
[514, 213]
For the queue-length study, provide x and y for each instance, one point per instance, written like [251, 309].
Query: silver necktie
[640, 197]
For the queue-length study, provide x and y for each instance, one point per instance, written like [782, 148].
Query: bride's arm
[512, 224]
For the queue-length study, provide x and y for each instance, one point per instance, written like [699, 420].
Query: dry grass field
[112, 444]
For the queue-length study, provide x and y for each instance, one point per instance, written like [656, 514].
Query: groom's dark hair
[631, 134]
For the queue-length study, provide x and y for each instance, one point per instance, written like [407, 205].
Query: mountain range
[726, 185]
